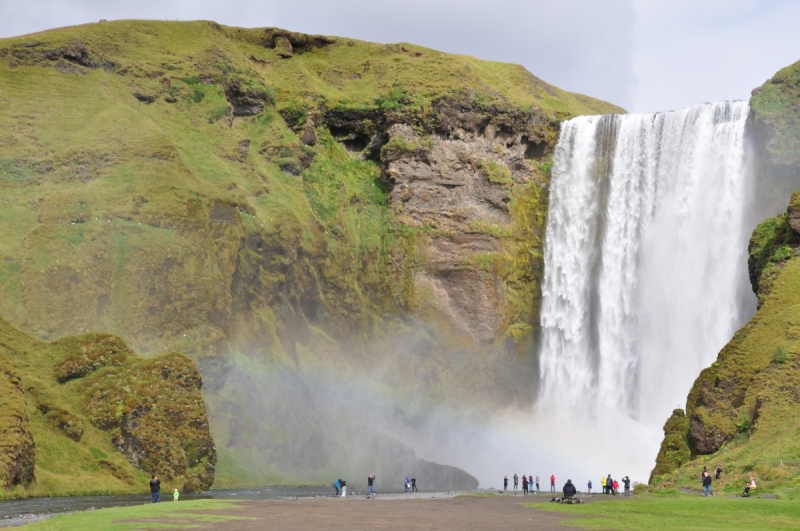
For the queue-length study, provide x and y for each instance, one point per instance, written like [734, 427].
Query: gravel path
[423, 512]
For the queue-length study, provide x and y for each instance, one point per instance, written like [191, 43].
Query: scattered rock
[283, 47]
[309, 135]
[247, 101]
[144, 98]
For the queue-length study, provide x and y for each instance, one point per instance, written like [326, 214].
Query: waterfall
[645, 259]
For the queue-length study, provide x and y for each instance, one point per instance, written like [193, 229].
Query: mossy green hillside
[742, 411]
[197, 188]
[92, 417]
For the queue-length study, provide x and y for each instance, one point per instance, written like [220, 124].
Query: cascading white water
[645, 258]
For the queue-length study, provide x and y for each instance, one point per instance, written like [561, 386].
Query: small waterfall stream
[645, 261]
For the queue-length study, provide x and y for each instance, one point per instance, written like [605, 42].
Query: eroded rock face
[457, 181]
[17, 447]
[794, 213]
[157, 417]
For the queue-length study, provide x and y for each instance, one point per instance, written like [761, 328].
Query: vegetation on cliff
[87, 415]
[740, 412]
[230, 193]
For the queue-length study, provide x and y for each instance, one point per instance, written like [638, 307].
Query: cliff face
[87, 415]
[741, 411]
[299, 214]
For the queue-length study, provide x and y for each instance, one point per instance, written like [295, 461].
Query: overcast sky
[644, 55]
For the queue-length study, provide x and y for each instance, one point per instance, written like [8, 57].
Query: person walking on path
[516, 481]
[343, 487]
[524, 486]
[370, 481]
[552, 483]
[413, 484]
[627, 482]
[155, 489]
[505, 482]
[707, 484]
[537, 484]
[176, 495]
[718, 472]
[336, 485]
[589, 488]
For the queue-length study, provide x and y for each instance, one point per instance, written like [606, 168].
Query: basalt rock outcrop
[101, 413]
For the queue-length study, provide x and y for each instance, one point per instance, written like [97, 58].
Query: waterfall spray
[645, 262]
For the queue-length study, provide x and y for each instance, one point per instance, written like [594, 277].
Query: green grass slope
[98, 419]
[193, 187]
[742, 411]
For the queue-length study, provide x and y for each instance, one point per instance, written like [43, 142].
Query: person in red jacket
[552, 483]
[616, 487]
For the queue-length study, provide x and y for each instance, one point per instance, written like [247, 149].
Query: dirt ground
[496, 513]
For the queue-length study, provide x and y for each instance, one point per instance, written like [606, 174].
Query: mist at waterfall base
[645, 273]
[645, 281]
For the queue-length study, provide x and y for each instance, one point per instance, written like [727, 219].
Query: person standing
[615, 487]
[516, 481]
[343, 486]
[370, 481]
[589, 488]
[505, 483]
[413, 484]
[537, 484]
[406, 485]
[707, 485]
[627, 482]
[718, 472]
[530, 483]
[336, 485]
[552, 483]
[609, 484]
[176, 495]
[524, 486]
[603, 484]
[155, 489]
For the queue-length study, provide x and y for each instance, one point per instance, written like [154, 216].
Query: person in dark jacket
[370, 481]
[524, 486]
[505, 483]
[155, 489]
[413, 484]
[627, 482]
[718, 472]
[707, 484]
[569, 489]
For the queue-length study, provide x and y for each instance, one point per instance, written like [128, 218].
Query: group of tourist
[529, 485]
[705, 479]
[340, 485]
[611, 486]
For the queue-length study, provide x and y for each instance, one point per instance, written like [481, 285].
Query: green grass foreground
[682, 513]
[166, 515]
